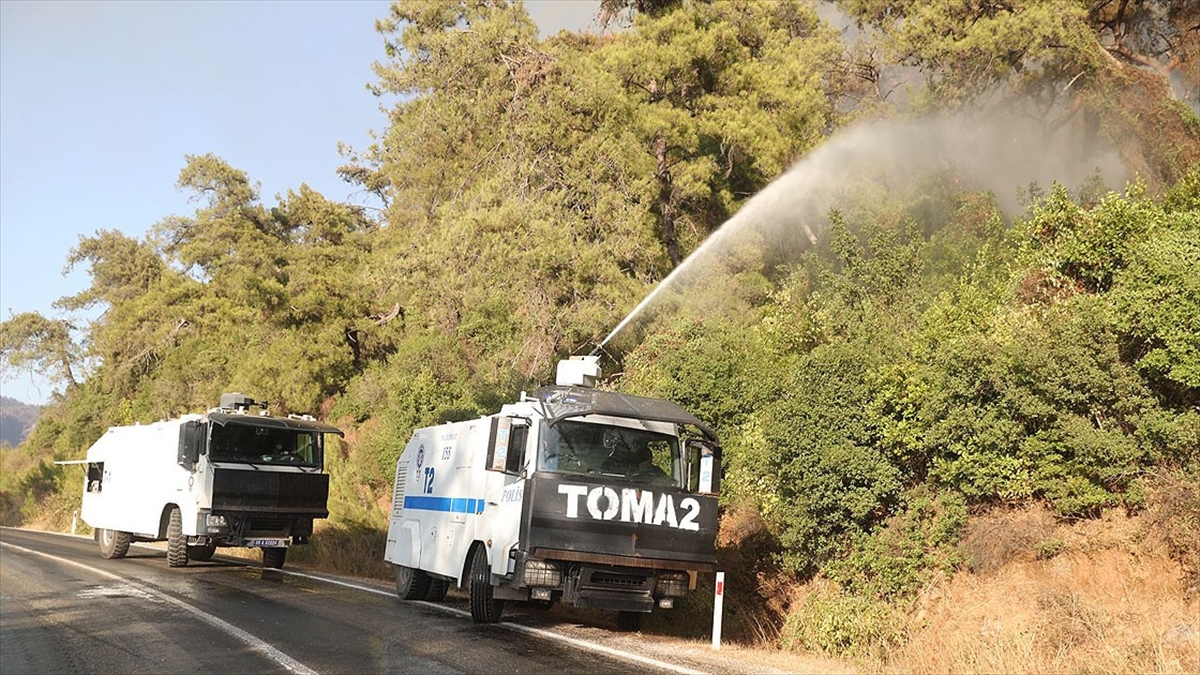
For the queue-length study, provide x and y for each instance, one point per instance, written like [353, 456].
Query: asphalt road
[64, 609]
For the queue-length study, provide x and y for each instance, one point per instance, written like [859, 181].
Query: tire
[485, 608]
[411, 584]
[437, 590]
[630, 622]
[274, 557]
[202, 553]
[177, 548]
[113, 544]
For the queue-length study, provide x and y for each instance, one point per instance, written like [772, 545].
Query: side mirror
[191, 442]
[506, 445]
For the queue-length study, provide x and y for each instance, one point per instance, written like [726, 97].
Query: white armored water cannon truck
[226, 478]
[575, 495]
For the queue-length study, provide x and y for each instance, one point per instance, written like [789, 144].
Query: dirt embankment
[1106, 595]
[1116, 594]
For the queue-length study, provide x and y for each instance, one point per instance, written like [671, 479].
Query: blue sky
[100, 101]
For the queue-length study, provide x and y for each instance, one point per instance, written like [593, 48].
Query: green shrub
[834, 484]
[1049, 548]
[898, 559]
[843, 625]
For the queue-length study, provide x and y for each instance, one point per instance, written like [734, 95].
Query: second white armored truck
[227, 478]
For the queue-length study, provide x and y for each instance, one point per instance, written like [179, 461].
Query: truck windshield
[261, 445]
[621, 453]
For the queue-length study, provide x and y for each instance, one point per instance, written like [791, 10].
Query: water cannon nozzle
[578, 371]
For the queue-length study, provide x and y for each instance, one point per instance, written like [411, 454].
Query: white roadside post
[718, 602]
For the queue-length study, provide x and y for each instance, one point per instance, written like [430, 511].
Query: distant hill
[16, 420]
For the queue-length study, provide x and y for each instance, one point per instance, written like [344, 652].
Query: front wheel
[177, 548]
[113, 544]
[485, 608]
[274, 557]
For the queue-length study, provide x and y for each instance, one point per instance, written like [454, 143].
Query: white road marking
[603, 649]
[254, 643]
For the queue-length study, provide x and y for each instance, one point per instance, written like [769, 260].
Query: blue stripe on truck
[446, 504]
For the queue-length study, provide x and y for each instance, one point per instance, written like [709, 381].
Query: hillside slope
[16, 421]
[1116, 594]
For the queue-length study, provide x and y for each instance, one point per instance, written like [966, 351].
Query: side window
[506, 444]
[692, 462]
[191, 443]
[304, 447]
[95, 476]
[516, 449]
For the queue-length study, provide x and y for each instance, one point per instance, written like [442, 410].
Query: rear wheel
[629, 621]
[485, 608]
[411, 584]
[177, 548]
[274, 557]
[202, 553]
[113, 544]
[437, 590]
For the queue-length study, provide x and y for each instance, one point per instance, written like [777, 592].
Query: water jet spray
[1000, 156]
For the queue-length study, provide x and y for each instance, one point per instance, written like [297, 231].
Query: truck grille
[258, 526]
[271, 492]
[631, 582]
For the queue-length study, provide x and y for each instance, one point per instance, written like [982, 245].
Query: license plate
[267, 543]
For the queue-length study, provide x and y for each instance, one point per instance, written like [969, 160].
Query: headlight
[672, 584]
[542, 573]
[215, 522]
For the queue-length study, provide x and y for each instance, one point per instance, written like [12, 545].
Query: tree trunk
[667, 213]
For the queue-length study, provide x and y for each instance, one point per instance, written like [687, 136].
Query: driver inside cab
[631, 462]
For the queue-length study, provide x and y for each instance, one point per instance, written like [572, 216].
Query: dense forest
[955, 265]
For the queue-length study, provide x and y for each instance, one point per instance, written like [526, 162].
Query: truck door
[504, 487]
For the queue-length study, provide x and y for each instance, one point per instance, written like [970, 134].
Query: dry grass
[758, 597]
[1110, 601]
[1173, 518]
[13, 466]
[1108, 595]
[349, 551]
[1006, 536]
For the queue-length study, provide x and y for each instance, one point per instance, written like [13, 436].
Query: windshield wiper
[225, 463]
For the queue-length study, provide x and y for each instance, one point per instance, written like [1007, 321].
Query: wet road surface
[64, 609]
